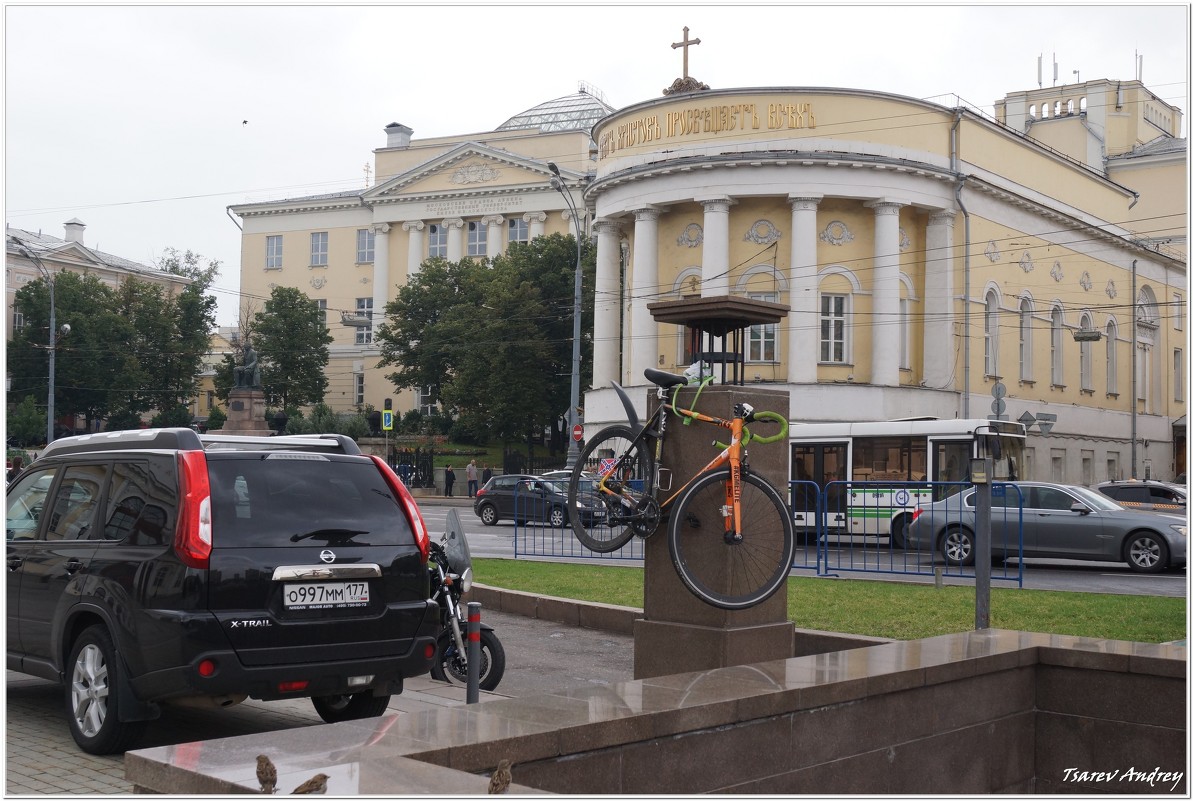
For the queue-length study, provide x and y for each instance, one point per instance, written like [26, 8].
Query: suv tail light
[916, 514]
[417, 524]
[192, 539]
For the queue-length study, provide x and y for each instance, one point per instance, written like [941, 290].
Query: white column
[455, 238]
[803, 321]
[714, 272]
[414, 247]
[885, 320]
[380, 272]
[939, 313]
[606, 316]
[644, 350]
[537, 221]
[493, 239]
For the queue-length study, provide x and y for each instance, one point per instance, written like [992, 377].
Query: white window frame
[1111, 358]
[364, 333]
[904, 334]
[1178, 375]
[1178, 311]
[436, 241]
[1087, 355]
[18, 320]
[321, 304]
[426, 400]
[763, 335]
[478, 238]
[273, 252]
[319, 248]
[834, 320]
[518, 231]
[1025, 321]
[358, 387]
[1058, 347]
[990, 334]
[365, 245]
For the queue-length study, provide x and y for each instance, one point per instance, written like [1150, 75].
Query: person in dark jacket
[14, 469]
[486, 474]
[449, 478]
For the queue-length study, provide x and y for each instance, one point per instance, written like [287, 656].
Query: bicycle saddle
[664, 379]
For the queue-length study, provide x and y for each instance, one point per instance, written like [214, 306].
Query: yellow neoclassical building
[928, 254]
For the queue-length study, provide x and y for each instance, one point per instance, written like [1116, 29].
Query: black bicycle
[612, 498]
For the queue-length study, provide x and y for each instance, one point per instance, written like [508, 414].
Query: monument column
[939, 313]
[803, 345]
[714, 273]
[414, 247]
[885, 320]
[493, 241]
[537, 221]
[380, 272]
[606, 317]
[455, 238]
[645, 290]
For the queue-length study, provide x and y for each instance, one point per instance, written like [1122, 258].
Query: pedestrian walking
[486, 474]
[14, 468]
[470, 471]
[449, 478]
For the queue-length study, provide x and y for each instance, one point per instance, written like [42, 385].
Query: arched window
[1111, 358]
[1058, 347]
[1087, 355]
[1025, 372]
[991, 333]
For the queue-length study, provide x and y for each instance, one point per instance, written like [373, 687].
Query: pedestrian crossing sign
[387, 420]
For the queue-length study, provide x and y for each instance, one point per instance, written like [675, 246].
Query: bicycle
[616, 501]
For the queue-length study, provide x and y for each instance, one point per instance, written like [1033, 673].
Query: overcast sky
[132, 118]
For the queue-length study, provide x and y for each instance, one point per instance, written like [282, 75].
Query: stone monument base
[246, 413]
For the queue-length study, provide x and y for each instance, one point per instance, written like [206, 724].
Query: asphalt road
[498, 542]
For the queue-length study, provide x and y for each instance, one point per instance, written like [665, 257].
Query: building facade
[931, 257]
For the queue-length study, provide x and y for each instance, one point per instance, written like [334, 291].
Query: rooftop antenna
[1040, 71]
[588, 89]
[1138, 66]
[1055, 70]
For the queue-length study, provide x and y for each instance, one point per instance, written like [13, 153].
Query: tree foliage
[494, 340]
[292, 341]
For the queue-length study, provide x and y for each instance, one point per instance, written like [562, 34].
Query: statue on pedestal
[248, 375]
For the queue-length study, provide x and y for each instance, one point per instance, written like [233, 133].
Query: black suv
[162, 566]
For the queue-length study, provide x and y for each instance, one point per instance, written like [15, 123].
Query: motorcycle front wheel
[452, 667]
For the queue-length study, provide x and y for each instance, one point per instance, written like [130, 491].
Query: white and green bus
[872, 476]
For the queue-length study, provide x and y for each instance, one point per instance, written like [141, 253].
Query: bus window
[890, 459]
[951, 463]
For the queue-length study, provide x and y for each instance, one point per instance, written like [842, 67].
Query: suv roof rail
[333, 443]
[184, 439]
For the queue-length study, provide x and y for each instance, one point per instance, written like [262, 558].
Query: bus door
[950, 462]
[822, 464]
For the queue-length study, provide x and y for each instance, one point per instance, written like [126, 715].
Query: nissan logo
[327, 556]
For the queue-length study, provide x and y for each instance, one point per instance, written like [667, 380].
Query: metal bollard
[474, 652]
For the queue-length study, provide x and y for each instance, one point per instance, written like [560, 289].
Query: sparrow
[267, 774]
[501, 778]
[316, 785]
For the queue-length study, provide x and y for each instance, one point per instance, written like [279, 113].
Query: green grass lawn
[894, 610]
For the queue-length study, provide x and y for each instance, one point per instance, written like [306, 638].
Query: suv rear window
[281, 499]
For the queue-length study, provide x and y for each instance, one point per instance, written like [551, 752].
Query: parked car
[525, 498]
[163, 566]
[1146, 495]
[1060, 521]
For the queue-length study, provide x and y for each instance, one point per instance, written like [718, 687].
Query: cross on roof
[685, 44]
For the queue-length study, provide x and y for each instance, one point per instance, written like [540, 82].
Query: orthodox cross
[685, 44]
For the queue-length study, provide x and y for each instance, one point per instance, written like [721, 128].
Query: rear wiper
[329, 534]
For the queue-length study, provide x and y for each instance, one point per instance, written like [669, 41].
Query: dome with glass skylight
[576, 112]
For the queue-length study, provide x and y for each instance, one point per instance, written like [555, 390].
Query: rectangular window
[1058, 466]
[18, 321]
[832, 329]
[321, 303]
[519, 231]
[426, 400]
[478, 237]
[319, 249]
[761, 343]
[273, 252]
[437, 242]
[1112, 466]
[1178, 311]
[359, 393]
[210, 399]
[364, 333]
[365, 239]
[1178, 375]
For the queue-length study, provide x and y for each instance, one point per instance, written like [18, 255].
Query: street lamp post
[574, 407]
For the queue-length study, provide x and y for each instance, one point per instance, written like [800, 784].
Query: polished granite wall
[978, 712]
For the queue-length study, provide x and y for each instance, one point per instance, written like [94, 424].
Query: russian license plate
[327, 595]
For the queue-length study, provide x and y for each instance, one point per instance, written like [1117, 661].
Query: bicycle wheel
[606, 520]
[731, 575]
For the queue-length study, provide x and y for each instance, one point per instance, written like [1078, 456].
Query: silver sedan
[1058, 521]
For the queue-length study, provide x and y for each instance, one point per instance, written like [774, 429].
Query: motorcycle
[450, 564]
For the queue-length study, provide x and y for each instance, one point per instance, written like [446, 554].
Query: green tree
[26, 424]
[495, 340]
[216, 419]
[292, 341]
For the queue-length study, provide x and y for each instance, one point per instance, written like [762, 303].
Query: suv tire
[93, 675]
[338, 708]
[488, 514]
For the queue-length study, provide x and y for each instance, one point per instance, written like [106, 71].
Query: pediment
[471, 167]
